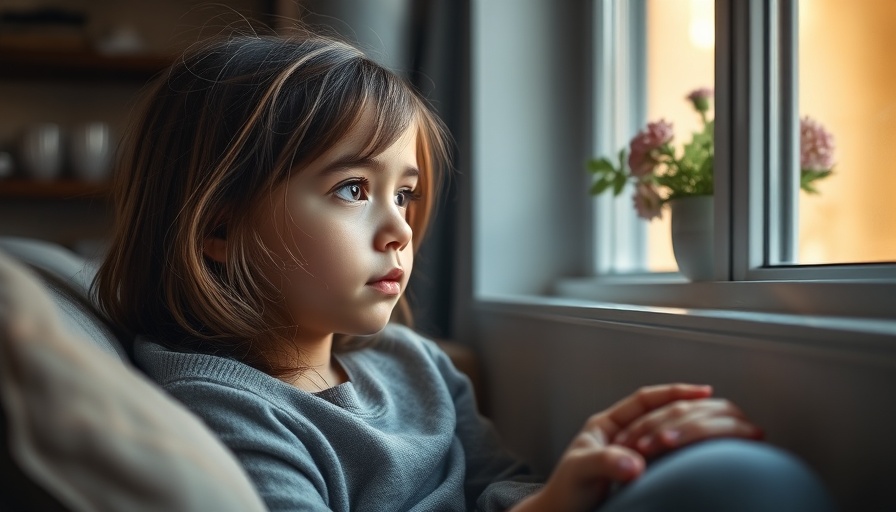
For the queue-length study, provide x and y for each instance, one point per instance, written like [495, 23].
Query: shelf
[79, 65]
[62, 189]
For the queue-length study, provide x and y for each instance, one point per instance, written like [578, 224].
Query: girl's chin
[368, 328]
[370, 321]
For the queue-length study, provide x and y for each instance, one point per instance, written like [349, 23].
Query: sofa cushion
[68, 278]
[92, 432]
[52, 260]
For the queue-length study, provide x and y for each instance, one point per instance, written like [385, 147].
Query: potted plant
[661, 174]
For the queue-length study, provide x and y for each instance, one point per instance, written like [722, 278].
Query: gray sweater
[402, 434]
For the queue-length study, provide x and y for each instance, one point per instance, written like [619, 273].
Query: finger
[591, 437]
[603, 461]
[649, 439]
[615, 463]
[685, 433]
[623, 413]
[583, 475]
[674, 412]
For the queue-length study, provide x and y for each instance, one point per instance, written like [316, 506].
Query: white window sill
[846, 299]
[856, 321]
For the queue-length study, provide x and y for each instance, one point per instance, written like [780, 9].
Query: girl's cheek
[406, 258]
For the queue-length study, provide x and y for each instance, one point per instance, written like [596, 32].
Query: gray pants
[725, 475]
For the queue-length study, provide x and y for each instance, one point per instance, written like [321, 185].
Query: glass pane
[846, 85]
[680, 59]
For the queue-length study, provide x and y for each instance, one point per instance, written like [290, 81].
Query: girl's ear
[215, 245]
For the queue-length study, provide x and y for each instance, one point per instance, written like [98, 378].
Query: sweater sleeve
[280, 467]
[495, 479]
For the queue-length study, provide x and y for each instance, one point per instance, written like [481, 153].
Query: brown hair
[218, 132]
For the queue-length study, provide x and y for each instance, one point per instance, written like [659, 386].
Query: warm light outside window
[846, 82]
[843, 84]
[679, 59]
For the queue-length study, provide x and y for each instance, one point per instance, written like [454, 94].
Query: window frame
[758, 121]
[619, 236]
[757, 135]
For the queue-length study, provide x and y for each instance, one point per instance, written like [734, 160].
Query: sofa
[84, 429]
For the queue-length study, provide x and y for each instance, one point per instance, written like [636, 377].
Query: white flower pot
[692, 236]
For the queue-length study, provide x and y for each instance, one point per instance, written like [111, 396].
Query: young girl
[270, 199]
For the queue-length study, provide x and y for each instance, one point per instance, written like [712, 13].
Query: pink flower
[816, 146]
[641, 159]
[648, 203]
[700, 98]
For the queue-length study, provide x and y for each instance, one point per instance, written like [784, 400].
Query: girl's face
[339, 238]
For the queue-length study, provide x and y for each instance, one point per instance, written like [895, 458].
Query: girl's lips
[392, 275]
[387, 287]
[390, 283]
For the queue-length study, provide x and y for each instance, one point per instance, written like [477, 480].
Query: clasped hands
[615, 445]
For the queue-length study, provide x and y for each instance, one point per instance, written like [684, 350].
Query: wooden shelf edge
[79, 65]
[58, 189]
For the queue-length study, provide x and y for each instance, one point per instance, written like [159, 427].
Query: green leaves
[676, 172]
[600, 186]
[807, 176]
[607, 176]
[601, 166]
[618, 184]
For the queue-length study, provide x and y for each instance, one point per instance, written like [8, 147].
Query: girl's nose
[394, 232]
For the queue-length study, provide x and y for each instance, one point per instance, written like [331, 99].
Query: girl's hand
[583, 475]
[685, 422]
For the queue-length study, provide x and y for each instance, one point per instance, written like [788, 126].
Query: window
[843, 85]
[773, 62]
[665, 52]
[680, 44]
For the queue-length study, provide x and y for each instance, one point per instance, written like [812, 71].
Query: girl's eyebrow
[346, 163]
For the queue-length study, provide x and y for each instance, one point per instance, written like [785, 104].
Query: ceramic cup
[90, 148]
[41, 151]
[7, 166]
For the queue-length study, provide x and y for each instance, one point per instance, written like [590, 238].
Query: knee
[733, 475]
[750, 476]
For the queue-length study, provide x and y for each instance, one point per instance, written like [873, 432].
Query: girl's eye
[404, 197]
[350, 192]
